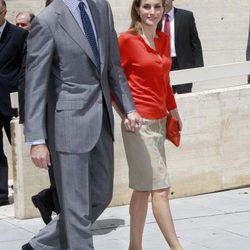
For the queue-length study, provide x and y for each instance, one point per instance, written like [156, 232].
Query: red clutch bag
[172, 130]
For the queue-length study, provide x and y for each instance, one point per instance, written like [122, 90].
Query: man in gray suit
[73, 68]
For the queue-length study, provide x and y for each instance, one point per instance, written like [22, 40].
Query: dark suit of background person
[187, 44]
[248, 49]
[11, 52]
[46, 200]
[72, 85]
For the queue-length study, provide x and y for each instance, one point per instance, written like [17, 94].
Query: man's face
[168, 5]
[3, 12]
[23, 21]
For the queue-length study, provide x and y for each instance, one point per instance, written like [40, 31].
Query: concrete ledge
[214, 152]
[215, 146]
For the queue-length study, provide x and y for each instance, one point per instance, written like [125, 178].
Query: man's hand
[40, 156]
[133, 122]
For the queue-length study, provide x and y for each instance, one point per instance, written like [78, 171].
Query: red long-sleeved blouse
[147, 72]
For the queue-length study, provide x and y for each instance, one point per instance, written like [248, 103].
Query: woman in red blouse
[145, 57]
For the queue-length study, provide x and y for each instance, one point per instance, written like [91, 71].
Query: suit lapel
[69, 24]
[177, 26]
[6, 35]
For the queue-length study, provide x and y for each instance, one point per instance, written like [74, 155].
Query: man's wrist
[131, 111]
[36, 142]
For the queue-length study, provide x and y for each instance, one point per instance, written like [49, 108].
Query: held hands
[133, 122]
[40, 156]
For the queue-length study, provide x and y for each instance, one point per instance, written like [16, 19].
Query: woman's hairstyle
[135, 26]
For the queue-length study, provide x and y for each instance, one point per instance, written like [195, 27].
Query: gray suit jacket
[62, 78]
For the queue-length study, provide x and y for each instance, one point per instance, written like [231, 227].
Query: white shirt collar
[73, 4]
[171, 13]
[74, 9]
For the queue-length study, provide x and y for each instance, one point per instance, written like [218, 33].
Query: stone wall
[214, 151]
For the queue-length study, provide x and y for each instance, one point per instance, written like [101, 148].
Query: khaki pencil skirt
[146, 158]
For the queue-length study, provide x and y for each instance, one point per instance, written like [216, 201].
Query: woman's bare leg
[162, 214]
[138, 212]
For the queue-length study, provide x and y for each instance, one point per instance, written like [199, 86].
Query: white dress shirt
[75, 11]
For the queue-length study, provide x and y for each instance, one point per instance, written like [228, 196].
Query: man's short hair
[32, 16]
[23, 12]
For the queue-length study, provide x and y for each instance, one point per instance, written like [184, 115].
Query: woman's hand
[175, 114]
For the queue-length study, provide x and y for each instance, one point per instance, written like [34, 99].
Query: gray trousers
[85, 186]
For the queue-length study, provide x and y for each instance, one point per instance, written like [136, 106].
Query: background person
[12, 40]
[73, 66]
[24, 19]
[186, 50]
[145, 58]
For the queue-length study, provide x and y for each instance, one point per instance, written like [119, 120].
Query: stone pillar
[28, 179]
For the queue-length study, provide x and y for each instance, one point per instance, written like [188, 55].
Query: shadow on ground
[106, 226]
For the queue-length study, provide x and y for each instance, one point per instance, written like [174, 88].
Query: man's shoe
[45, 213]
[27, 247]
[4, 202]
